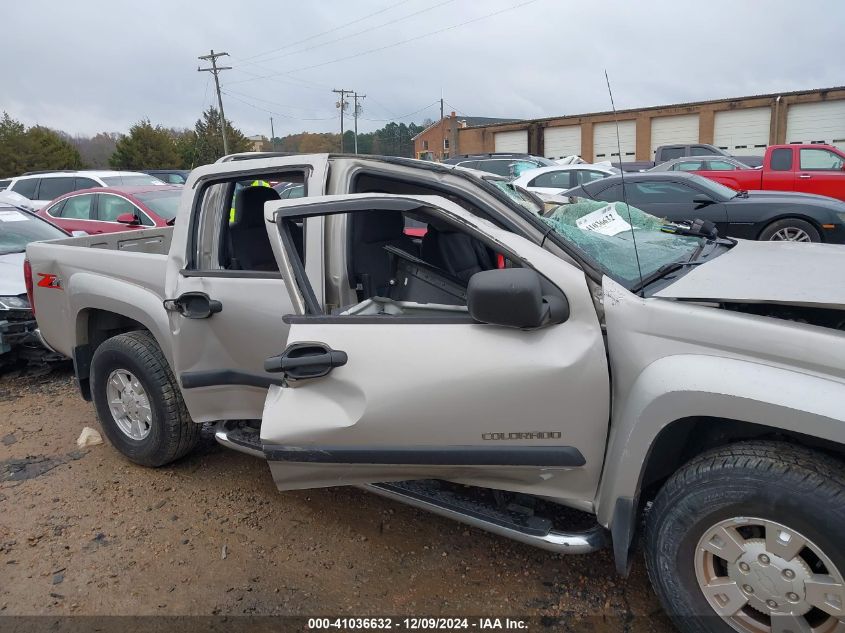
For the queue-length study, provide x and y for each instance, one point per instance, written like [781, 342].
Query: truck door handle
[804, 176]
[306, 360]
[193, 305]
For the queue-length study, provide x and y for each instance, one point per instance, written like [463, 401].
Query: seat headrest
[377, 226]
[249, 205]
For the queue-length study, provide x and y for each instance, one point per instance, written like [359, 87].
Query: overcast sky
[92, 65]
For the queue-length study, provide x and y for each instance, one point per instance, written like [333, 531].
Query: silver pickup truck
[432, 335]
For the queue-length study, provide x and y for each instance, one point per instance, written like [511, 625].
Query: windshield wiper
[664, 270]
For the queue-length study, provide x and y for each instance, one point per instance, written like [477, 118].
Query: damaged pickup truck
[494, 365]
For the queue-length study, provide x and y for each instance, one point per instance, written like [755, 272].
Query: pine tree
[146, 147]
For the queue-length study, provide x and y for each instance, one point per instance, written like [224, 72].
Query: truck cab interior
[391, 272]
[433, 260]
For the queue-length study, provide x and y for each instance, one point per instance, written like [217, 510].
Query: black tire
[172, 432]
[768, 234]
[802, 489]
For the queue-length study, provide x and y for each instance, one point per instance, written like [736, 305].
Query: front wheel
[138, 400]
[751, 537]
[790, 230]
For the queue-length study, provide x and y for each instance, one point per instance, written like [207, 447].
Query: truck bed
[122, 273]
[155, 241]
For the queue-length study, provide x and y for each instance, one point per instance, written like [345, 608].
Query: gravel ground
[84, 532]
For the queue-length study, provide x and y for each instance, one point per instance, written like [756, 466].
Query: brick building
[742, 126]
[437, 140]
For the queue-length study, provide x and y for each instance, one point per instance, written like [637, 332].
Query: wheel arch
[682, 406]
[678, 443]
[105, 307]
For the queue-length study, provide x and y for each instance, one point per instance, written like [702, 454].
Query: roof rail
[50, 171]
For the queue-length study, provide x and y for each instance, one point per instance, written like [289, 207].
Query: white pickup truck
[430, 334]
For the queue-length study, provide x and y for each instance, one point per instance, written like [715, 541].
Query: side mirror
[514, 297]
[128, 218]
[702, 200]
[79, 234]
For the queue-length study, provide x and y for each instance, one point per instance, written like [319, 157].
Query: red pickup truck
[818, 169]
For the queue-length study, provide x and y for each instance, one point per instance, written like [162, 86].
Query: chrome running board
[582, 542]
[238, 439]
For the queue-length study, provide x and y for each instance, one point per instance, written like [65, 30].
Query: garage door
[516, 141]
[673, 130]
[822, 122]
[742, 132]
[560, 142]
[604, 141]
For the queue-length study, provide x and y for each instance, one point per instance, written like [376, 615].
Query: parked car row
[42, 187]
[19, 336]
[754, 215]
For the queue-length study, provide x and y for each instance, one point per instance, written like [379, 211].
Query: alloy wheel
[790, 234]
[129, 404]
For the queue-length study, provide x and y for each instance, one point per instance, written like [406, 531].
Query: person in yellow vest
[254, 183]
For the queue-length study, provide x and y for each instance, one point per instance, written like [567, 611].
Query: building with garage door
[741, 126]
[436, 142]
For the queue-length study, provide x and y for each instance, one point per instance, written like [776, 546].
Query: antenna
[622, 176]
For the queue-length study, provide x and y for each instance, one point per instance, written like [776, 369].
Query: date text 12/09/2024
[416, 624]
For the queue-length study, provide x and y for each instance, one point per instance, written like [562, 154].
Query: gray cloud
[92, 65]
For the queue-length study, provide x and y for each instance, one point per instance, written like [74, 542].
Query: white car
[558, 178]
[42, 187]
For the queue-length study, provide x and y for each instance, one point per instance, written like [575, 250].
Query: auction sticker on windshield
[12, 216]
[605, 221]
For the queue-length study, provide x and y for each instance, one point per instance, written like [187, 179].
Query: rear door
[414, 396]
[218, 356]
[111, 206]
[78, 213]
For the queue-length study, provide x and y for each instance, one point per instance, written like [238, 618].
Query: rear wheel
[790, 230]
[750, 538]
[138, 400]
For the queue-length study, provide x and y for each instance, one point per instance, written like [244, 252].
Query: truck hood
[768, 272]
[11, 274]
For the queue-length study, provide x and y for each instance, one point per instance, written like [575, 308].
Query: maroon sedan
[112, 209]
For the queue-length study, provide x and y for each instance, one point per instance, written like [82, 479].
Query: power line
[299, 82]
[230, 92]
[215, 70]
[395, 44]
[200, 136]
[337, 28]
[404, 116]
[357, 33]
[281, 114]
[458, 110]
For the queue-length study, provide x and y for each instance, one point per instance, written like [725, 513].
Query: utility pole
[342, 105]
[272, 135]
[215, 70]
[356, 112]
[442, 132]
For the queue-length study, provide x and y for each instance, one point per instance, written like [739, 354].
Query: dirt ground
[87, 532]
